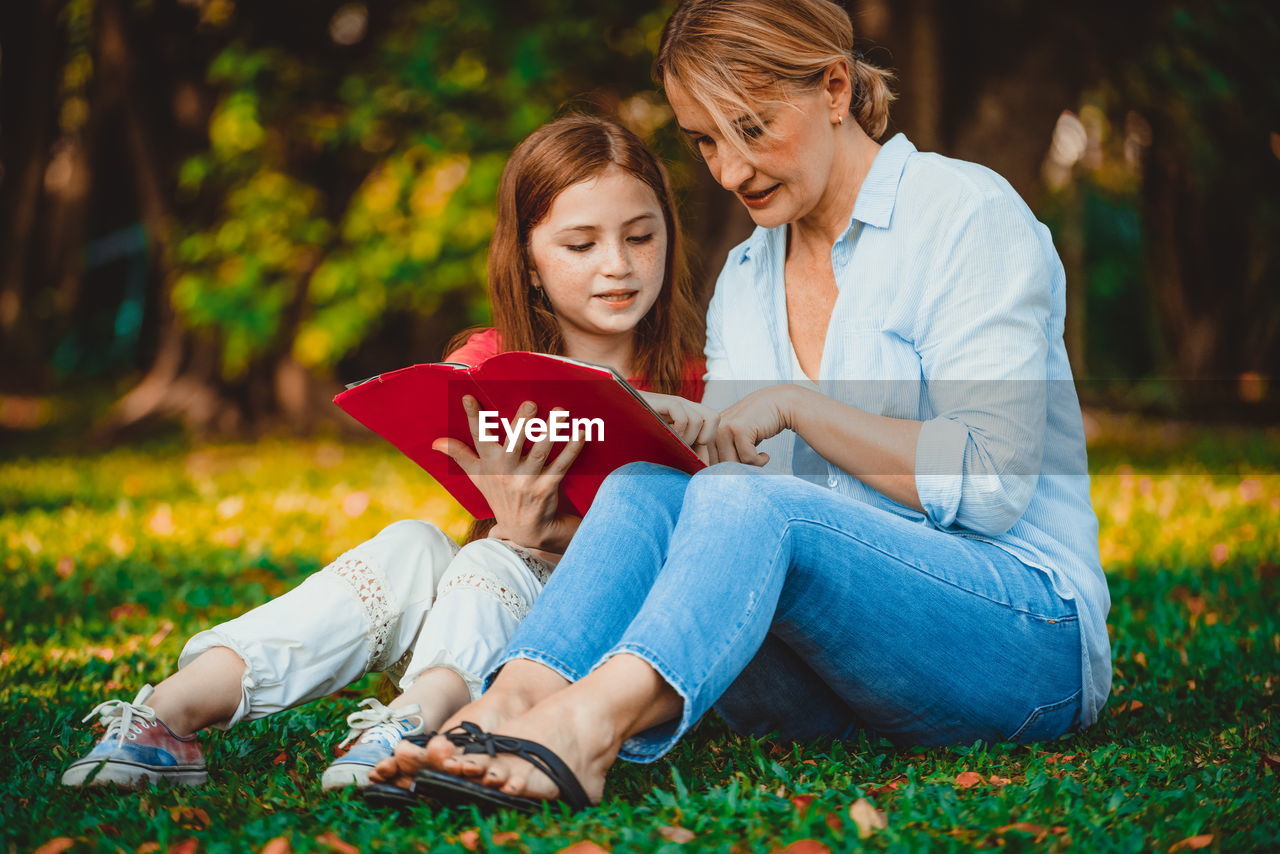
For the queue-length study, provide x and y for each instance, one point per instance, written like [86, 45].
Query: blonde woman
[923, 564]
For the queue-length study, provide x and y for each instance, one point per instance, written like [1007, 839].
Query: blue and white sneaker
[137, 750]
[374, 735]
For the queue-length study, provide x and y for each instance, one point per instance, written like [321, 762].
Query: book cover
[414, 406]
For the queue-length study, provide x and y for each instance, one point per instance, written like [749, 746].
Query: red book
[414, 406]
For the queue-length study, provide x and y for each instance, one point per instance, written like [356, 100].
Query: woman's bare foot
[584, 724]
[521, 685]
[572, 725]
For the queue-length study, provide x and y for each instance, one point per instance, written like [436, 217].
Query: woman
[925, 565]
[586, 261]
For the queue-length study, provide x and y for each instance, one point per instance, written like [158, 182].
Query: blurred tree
[352, 159]
[1187, 236]
[314, 180]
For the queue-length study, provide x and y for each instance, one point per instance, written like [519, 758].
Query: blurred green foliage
[380, 198]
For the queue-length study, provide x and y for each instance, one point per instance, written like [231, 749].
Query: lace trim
[510, 599]
[540, 568]
[368, 586]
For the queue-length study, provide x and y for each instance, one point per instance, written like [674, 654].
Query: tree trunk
[182, 379]
[34, 61]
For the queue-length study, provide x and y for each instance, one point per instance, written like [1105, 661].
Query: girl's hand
[760, 415]
[694, 423]
[522, 489]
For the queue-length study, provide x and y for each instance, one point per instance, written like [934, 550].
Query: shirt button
[833, 481]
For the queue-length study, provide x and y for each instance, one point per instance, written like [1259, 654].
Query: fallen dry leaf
[584, 847]
[802, 803]
[833, 821]
[1036, 830]
[1270, 761]
[1192, 842]
[192, 818]
[280, 759]
[676, 834]
[184, 846]
[892, 785]
[335, 844]
[968, 779]
[506, 837]
[279, 845]
[148, 847]
[469, 839]
[804, 846]
[998, 781]
[56, 845]
[867, 818]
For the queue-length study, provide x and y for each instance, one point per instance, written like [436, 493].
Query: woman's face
[601, 253]
[782, 175]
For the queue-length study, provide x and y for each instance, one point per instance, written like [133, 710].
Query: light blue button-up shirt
[950, 312]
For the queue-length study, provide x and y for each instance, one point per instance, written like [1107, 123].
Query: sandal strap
[536, 755]
[421, 739]
[458, 735]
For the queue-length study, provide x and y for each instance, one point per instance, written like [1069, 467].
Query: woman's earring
[839, 120]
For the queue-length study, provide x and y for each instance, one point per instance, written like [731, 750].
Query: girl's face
[781, 177]
[600, 254]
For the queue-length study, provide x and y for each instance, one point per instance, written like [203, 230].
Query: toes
[515, 785]
[439, 751]
[471, 768]
[407, 759]
[496, 776]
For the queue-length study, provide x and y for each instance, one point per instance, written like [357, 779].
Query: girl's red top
[487, 342]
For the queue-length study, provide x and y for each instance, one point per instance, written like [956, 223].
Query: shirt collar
[879, 189]
[876, 197]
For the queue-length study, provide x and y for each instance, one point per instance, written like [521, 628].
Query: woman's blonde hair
[732, 56]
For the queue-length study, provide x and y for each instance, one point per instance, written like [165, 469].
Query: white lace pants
[407, 598]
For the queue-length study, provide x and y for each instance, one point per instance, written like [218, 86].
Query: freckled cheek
[650, 261]
[559, 272]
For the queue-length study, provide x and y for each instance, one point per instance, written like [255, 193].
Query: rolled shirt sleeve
[982, 337]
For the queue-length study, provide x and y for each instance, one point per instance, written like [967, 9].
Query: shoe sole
[127, 775]
[341, 775]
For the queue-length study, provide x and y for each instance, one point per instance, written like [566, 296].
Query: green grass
[110, 562]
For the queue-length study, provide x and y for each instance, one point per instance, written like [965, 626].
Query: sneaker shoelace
[387, 724]
[125, 720]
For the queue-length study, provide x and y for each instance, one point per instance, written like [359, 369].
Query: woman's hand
[760, 415]
[694, 423]
[522, 489]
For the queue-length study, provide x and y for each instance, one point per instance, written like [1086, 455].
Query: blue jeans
[806, 613]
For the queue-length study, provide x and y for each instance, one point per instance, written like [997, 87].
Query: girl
[586, 261]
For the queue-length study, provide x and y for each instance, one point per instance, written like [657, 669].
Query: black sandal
[387, 795]
[452, 790]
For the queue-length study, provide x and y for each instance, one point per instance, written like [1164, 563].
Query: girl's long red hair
[556, 156]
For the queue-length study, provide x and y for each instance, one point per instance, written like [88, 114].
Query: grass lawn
[110, 562]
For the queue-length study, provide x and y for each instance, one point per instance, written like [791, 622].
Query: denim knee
[731, 491]
[643, 483]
